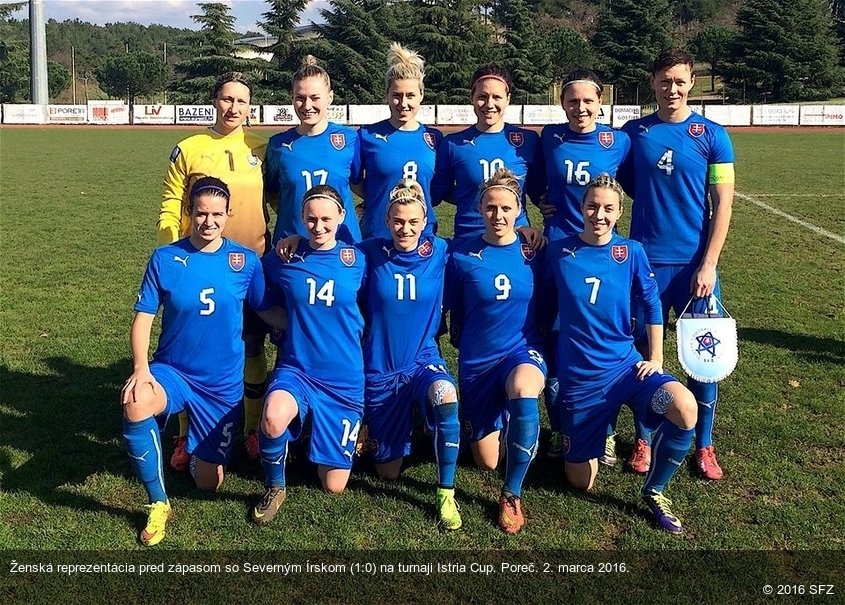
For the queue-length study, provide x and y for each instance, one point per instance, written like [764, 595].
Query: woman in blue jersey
[318, 289]
[404, 369]
[490, 294]
[399, 147]
[316, 152]
[466, 159]
[595, 274]
[201, 282]
[573, 153]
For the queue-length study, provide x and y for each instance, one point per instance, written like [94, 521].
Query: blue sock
[551, 397]
[447, 436]
[640, 429]
[521, 441]
[706, 395]
[143, 442]
[671, 444]
[274, 451]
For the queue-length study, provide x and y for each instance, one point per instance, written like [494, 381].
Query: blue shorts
[484, 398]
[211, 422]
[673, 281]
[585, 413]
[390, 404]
[335, 414]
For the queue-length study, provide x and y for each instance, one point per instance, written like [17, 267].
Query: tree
[631, 33]
[713, 44]
[566, 49]
[786, 51]
[280, 21]
[58, 79]
[133, 74]
[523, 51]
[211, 52]
[14, 68]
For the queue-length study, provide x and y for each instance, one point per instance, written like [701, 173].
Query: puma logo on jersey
[184, 261]
[288, 145]
[470, 141]
[644, 127]
[568, 251]
[560, 137]
[387, 250]
[478, 254]
[383, 137]
[205, 156]
[299, 256]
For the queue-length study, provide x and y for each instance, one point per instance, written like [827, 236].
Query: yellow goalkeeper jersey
[237, 159]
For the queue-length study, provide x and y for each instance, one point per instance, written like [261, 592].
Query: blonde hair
[404, 64]
[604, 181]
[407, 191]
[309, 69]
[503, 179]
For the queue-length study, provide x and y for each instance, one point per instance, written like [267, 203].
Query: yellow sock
[183, 424]
[255, 383]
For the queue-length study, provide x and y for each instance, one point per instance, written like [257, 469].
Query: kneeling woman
[595, 273]
[404, 368]
[320, 371]
[201, 282]
[490, 292]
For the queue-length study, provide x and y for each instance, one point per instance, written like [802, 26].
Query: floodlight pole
[38, 53]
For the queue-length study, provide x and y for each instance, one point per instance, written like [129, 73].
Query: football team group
[357, 298]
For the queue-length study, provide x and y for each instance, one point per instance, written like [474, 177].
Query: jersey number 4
[325, 293]
[665, 162]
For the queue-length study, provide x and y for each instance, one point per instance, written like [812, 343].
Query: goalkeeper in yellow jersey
[235, 156]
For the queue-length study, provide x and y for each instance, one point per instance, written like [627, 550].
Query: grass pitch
[78, 213]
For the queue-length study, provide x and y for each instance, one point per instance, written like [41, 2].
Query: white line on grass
[797, 195]
[791, 218]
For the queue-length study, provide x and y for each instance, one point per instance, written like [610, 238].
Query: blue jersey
[490, 292]
[572, 160]
[295, 163]
[468, 158]
[388, 155]
[667, 175]
[403, 303]
[594, 285]
[319, 291]
[202, 295]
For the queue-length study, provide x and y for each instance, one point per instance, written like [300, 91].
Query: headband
[492, 77]
[515, 192]
[407, 197]
[582, 81]
[214, 188]
[325, 197]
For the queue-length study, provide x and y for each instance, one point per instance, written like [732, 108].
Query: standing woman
[595, 274]
[682, 170]
[491, 289]
[227, 150]
[201, 282]
[399, 147]
[317, 152]
[574, 153]
[404, 369]
[466, 159]
[320, 369]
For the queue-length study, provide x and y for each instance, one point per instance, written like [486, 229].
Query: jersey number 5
[205, 298]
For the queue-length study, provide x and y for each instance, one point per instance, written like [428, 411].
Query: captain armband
[718, 174]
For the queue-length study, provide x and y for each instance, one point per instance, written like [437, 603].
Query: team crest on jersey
[425, 249]
[347, 256]
[527, 253]
[606, 139]
[696, 129]
[237, 260]
[619, 253]
[429, 139]
[516, 138]
[338, 140]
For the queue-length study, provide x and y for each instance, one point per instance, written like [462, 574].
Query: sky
[166, 12]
